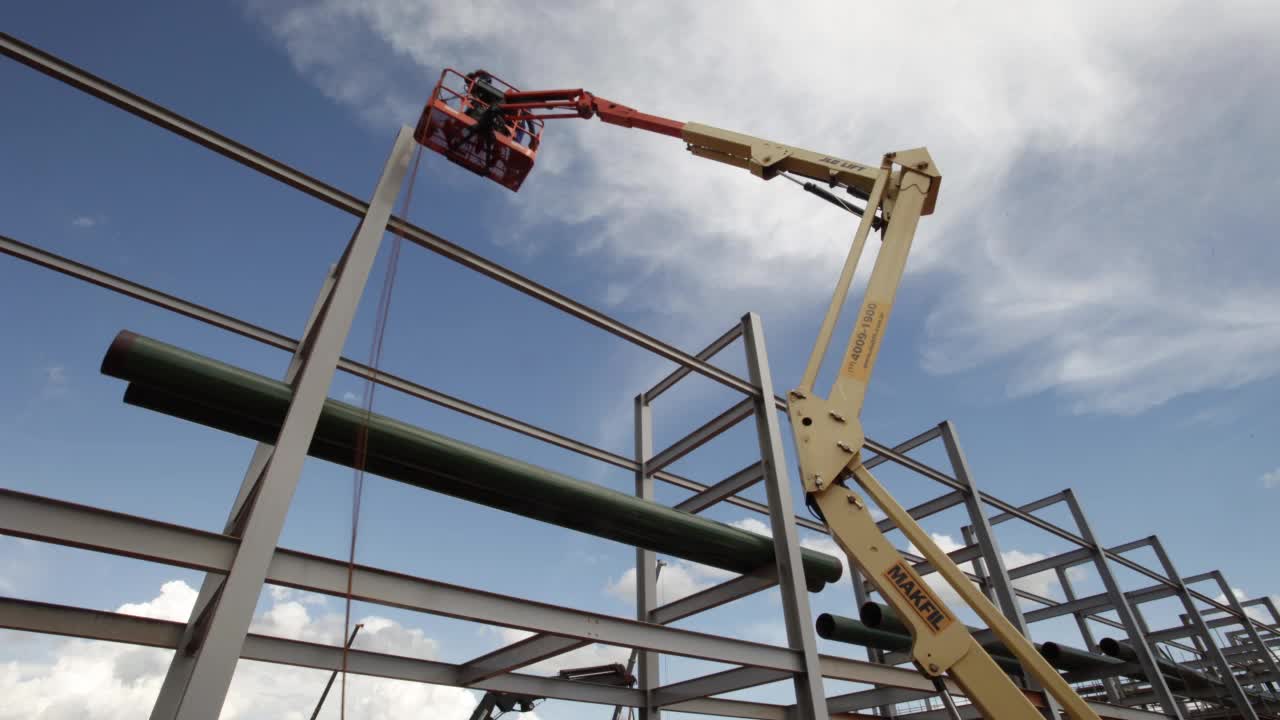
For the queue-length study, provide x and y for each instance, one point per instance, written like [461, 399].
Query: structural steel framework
[239, 560]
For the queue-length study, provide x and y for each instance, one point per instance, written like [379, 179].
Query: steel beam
[1268, 658]
[201, 675]
[1002, 586]
[683, 371]
[728, 591]
[648, 667]
[1061, 561]
[810, 697]
[740, 411]
[714, 684]
[730, 486]
[515, 656]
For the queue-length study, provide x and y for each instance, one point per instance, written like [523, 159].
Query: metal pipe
[848, 630]
[1177, 676]
[187, 385]
[882, 618]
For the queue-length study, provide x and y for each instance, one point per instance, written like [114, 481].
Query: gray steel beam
[66, 72]
[201, 682]
[515, 656]
[810, 697]
[715, 684]
[1120, 602]
[728, 591]
[1061, 561]
[730, 486]
[740, 411]
[1090, 643]
[705, 354]
[647, 668]
[179, 672]
[1001, 584]
[876, 697]
[1173, 633]
[905, 446]
[29, 616]
[1226, 675]
[979, 566]
[1028, 508]
[926, 508]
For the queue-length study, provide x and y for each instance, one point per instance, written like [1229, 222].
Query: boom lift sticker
[866, 338]
[919, 596]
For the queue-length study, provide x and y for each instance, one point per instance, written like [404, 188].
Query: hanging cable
[362, 436]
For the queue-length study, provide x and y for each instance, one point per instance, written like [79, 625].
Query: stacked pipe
[183, 384]
[1176, 676]
[881, 628]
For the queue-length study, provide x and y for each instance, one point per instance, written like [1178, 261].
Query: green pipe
[1176, 676]
[883, 617]
[190, 386]
[848, 630]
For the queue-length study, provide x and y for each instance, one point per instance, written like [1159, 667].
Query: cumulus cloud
[105, 681]
[588, 656]
[1098, 233]
[1270, 479]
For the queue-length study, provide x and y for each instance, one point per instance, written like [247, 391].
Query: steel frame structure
[238, 561]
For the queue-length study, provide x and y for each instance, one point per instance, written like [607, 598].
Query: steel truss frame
[245, 555]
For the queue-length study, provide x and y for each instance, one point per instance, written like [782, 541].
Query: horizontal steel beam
[64, 523]
[30, 616]
[705, 354]
[925, 509]
[724, 489]
[715, 596]
[715, 684]
[1173, 633]
[516, 655]
[708, 431]
[1095, 602]
[906, 446]
[876, 697]
[1063, 560]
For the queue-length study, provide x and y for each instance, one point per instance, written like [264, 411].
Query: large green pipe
[848, 630]
[190, 386]
[883, 617]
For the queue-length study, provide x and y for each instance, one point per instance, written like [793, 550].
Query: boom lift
[486, 125]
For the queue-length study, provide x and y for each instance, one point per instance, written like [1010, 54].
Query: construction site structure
[1183, 671]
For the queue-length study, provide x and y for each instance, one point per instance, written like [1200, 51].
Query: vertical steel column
[979, 566]
[1120, 603]
[1109, 683]
[225, 619]
[998, 575]
[647, 677]
[1213, 652]
[811, 701]
[1267, 657]
[179, 672]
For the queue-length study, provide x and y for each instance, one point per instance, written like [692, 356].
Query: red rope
[362, 437]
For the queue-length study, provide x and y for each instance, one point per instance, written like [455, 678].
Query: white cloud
[85, 221]
[105, 681]
[1078, 234]
[1270, 479]
[350, 397]
[1255, 612]
[678, 579]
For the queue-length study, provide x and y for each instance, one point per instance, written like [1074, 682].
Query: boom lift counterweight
[494, 129]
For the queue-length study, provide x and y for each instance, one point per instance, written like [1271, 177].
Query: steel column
[203, 682]
[647, 670]
[1197, 620]
[811, 700]
[1120, 603]
[1109, 683]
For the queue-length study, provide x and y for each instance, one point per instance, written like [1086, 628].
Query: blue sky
[1092, 305]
